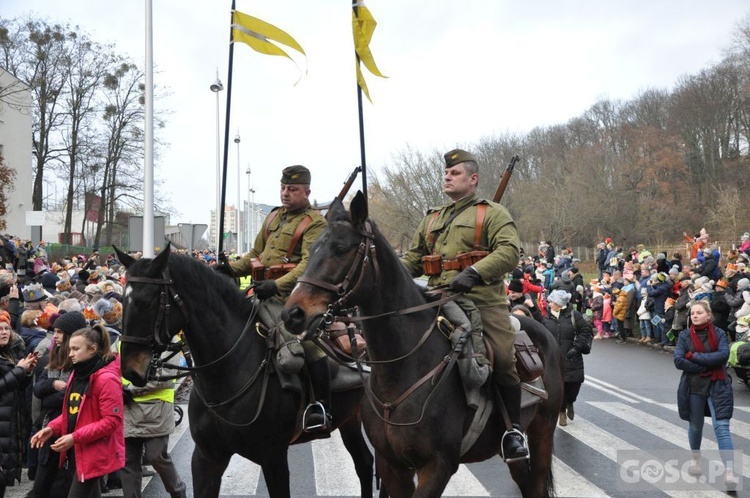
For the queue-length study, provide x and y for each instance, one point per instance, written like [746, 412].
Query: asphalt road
[628, 402]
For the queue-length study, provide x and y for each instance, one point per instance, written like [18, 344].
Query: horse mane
[194, 278]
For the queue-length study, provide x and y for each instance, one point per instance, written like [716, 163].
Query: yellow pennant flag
[363, 26]
[259, 35]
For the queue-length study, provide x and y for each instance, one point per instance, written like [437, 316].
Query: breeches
[500, 335]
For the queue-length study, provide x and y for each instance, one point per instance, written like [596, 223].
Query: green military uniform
[500, 237]
[273, 241]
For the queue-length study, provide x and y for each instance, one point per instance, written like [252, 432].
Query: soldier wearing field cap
[451, 232]
[278, 257]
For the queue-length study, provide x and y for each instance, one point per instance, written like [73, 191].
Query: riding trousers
[500, 335]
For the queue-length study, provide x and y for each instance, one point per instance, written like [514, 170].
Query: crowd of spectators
[642, 293]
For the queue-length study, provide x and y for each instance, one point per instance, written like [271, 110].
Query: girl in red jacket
[92, 418]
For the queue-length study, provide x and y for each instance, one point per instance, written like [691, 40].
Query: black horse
[236, 406]
[414, 428]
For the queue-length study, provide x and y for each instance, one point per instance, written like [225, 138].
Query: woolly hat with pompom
[109, 309]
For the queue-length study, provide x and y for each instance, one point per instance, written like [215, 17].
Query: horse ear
[160, 261]
[336, 211]
[359, 208]
[124, 258]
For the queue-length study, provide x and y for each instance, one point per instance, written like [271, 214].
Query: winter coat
[13, 380]
[720, 310]
[50, 400]
[152, 418]
[721, 390]
[660, 292]
[32, 338]
[99, 431]
[735, 300]
[623, 310]
[708, 268]
[607, 309]
[643, 313]
[568, 335]
[681, 310]
[596, 304]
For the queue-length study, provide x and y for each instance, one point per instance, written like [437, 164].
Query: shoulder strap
[267, 222]
[434, 218]
[297, 234]
[447, 222]
[481, 213]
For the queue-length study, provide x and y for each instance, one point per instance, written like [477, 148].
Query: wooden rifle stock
[348, 183]
[505, 179]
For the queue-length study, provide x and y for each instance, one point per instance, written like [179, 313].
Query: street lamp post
[239, 200]
[250, 233]
[217, 87]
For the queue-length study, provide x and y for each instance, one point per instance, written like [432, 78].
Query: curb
[635, 340]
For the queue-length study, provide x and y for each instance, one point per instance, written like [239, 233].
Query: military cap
[457, 156]
[295, 175]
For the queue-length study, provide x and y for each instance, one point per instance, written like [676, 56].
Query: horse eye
[340, 250]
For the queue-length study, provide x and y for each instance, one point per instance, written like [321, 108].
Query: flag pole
[362, 156]
[148, 166]
[226, 136]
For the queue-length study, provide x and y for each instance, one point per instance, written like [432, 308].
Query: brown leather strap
[267, 222]
[481, 212]
[430, 238]
[297, 234]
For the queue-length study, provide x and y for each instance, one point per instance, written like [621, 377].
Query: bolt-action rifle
[505, 179]
[348, 183]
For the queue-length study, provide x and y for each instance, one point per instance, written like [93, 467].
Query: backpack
[650, 303]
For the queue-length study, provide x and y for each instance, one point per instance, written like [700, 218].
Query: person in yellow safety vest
[149, 420]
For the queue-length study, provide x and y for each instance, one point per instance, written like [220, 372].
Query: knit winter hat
[674, 271]
[70, 322]
[4, 317]
[517, 273]
[743, 284]
[559, 297]
[661, 276]
[515, 286]
[109, 309]
[661, 255]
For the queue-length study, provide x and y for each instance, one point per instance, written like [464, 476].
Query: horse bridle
[366, 255]
[366, 252]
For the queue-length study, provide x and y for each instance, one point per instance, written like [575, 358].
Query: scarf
[716, 373]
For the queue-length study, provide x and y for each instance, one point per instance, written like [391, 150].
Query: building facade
[16, 149]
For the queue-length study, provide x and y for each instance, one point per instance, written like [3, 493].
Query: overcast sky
[458, 71]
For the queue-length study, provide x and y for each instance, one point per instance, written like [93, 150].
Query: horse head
[341, 267]
[148, 325]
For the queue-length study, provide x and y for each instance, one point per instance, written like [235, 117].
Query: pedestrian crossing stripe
[334, 471]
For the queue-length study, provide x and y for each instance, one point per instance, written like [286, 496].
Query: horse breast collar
[161, 330]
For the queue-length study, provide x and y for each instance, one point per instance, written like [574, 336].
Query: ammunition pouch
[466, 259]
[431, 265]
[278, 271]
[257, 270]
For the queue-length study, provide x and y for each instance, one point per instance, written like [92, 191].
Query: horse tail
[551, 479]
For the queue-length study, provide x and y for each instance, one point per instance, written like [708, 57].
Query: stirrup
[313, 409]
[524, 444]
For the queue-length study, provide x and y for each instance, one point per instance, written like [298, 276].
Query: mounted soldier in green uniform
[470, 244]
[278, 257]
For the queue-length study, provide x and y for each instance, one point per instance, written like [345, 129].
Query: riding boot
[514, 441]
[317, 417]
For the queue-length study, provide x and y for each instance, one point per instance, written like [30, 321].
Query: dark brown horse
[237, 405]
[353, 265]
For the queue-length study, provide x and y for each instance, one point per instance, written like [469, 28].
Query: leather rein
[366, 255]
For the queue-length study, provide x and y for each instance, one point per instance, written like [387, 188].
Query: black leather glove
[573, 353]
[465, 280]
[224, 269]
[266, 289]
